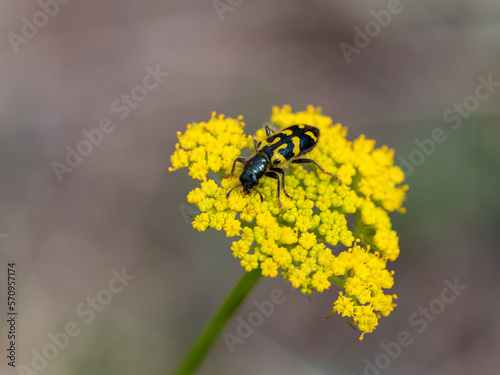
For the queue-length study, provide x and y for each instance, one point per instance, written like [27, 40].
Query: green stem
[337, 281]
[219, 320]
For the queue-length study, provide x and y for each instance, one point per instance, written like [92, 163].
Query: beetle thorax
[253, 170]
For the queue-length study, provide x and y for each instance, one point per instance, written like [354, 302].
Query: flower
[297, 242]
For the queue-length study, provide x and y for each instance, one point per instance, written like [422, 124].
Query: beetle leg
[255, 144]
[274, 175]
[310, 161]
[241, 160]
[268, 130]
[282, 173]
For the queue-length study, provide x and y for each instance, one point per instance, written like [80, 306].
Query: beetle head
[248, 180]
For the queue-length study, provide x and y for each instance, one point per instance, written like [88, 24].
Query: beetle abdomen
[290, 142]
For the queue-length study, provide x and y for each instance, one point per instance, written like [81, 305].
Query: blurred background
[139, 71]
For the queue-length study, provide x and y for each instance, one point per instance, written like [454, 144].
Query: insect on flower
[276, 151]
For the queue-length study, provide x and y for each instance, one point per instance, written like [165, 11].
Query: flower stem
[337, 281]
[219, 320]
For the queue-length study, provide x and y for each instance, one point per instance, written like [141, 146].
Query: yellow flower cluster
[297, 242]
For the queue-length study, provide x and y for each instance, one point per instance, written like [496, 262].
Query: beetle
[275, 151]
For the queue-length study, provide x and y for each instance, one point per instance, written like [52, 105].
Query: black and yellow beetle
[277, 150]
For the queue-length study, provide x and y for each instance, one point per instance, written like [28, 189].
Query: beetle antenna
[229, 192]
[261, 197]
